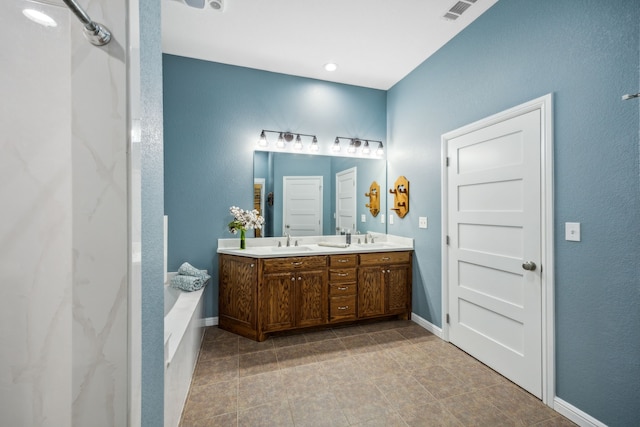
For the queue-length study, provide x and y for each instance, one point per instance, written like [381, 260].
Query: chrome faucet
[288, 236]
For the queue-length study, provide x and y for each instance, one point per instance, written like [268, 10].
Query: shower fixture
[97, 34]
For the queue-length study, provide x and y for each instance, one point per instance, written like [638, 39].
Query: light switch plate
[363, 218]
[390, 219]
[422, 222]
[382, 219]
[572, 231]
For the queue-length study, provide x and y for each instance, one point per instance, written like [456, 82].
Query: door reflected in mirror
[302, 194]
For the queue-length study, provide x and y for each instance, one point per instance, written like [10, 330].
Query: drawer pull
[343, 288]
[296, 263]
[342, 274]
[385, 258]
[343, 260]
[344, 307]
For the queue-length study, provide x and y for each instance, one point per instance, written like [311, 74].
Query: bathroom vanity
[265, 289]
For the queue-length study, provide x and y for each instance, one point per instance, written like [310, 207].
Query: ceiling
[375, 43]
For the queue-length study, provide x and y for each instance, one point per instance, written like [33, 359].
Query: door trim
[545, 105]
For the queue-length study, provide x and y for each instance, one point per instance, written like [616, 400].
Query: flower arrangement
[244, 220]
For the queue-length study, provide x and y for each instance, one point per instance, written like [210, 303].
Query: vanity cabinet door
[398, 297]
[279, 304]
[311, 297]
[237, 297]
[371, 291]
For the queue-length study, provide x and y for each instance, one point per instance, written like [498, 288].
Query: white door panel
[302, 205]
[346, 200]
[494, 225]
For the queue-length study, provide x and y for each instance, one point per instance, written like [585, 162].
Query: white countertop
[267, 247]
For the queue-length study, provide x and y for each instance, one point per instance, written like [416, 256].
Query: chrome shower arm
[97, 34]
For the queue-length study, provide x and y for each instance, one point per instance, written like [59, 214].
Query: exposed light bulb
[380, 150]
[298, 144]
[314, 145]
[262, 141]
[352, 147]
[366, 149]
[336, 145]
[280, 143]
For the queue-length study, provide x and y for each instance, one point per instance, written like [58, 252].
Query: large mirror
[302, 194]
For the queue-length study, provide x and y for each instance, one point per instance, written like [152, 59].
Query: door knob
[529, 265]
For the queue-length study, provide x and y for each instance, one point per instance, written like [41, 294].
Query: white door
[494, 230]
[302, 205]
[346, 200]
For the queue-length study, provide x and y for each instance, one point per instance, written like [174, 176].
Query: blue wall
[151, 163]
[587, 55]
[213, 115]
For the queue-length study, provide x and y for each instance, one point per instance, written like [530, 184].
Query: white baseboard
[574, 414]
[427, 325]
[209, 321]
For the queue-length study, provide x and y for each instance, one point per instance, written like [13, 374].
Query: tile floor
[390, 373]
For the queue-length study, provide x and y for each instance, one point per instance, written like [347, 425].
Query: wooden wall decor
[374, 198]
[400, 193]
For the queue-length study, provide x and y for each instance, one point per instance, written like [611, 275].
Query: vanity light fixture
[262, 141]
[336, 145]
[366, 150]
[356, 143]
[314, 145]
[285, 137]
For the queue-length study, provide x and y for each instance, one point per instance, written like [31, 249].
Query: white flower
[244, 220]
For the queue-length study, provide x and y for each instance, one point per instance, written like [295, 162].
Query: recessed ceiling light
[330, 66]
[39, 17]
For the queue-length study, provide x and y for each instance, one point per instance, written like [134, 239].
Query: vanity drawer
[294, 263]
[340, 289]
[350, 260]
[342, 308]
[385, 258]
[343, 275]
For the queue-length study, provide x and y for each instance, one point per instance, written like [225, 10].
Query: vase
[243, 242]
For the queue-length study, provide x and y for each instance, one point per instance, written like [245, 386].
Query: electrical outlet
[422, 222]
[382, 219]
[390, 219]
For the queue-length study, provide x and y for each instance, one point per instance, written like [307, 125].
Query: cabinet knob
[293, 279]
[299, 278]
[252, 265]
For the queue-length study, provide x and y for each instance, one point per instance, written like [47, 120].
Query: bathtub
[183, 331]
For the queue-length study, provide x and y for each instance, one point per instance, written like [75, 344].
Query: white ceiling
[374, 42]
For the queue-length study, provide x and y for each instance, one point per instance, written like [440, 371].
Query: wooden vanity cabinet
[262, 295]
[295, 292]
[384, 284]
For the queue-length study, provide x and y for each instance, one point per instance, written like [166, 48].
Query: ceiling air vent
[458, 9]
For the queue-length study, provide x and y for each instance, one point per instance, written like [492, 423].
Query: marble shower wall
[36, 225]
[64, 251]
[100, 220]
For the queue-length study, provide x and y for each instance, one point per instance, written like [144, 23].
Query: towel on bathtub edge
[187, 269]
[188, 283]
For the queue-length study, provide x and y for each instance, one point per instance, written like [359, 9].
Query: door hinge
[447, 240]
[448, 319]
[447, 161]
